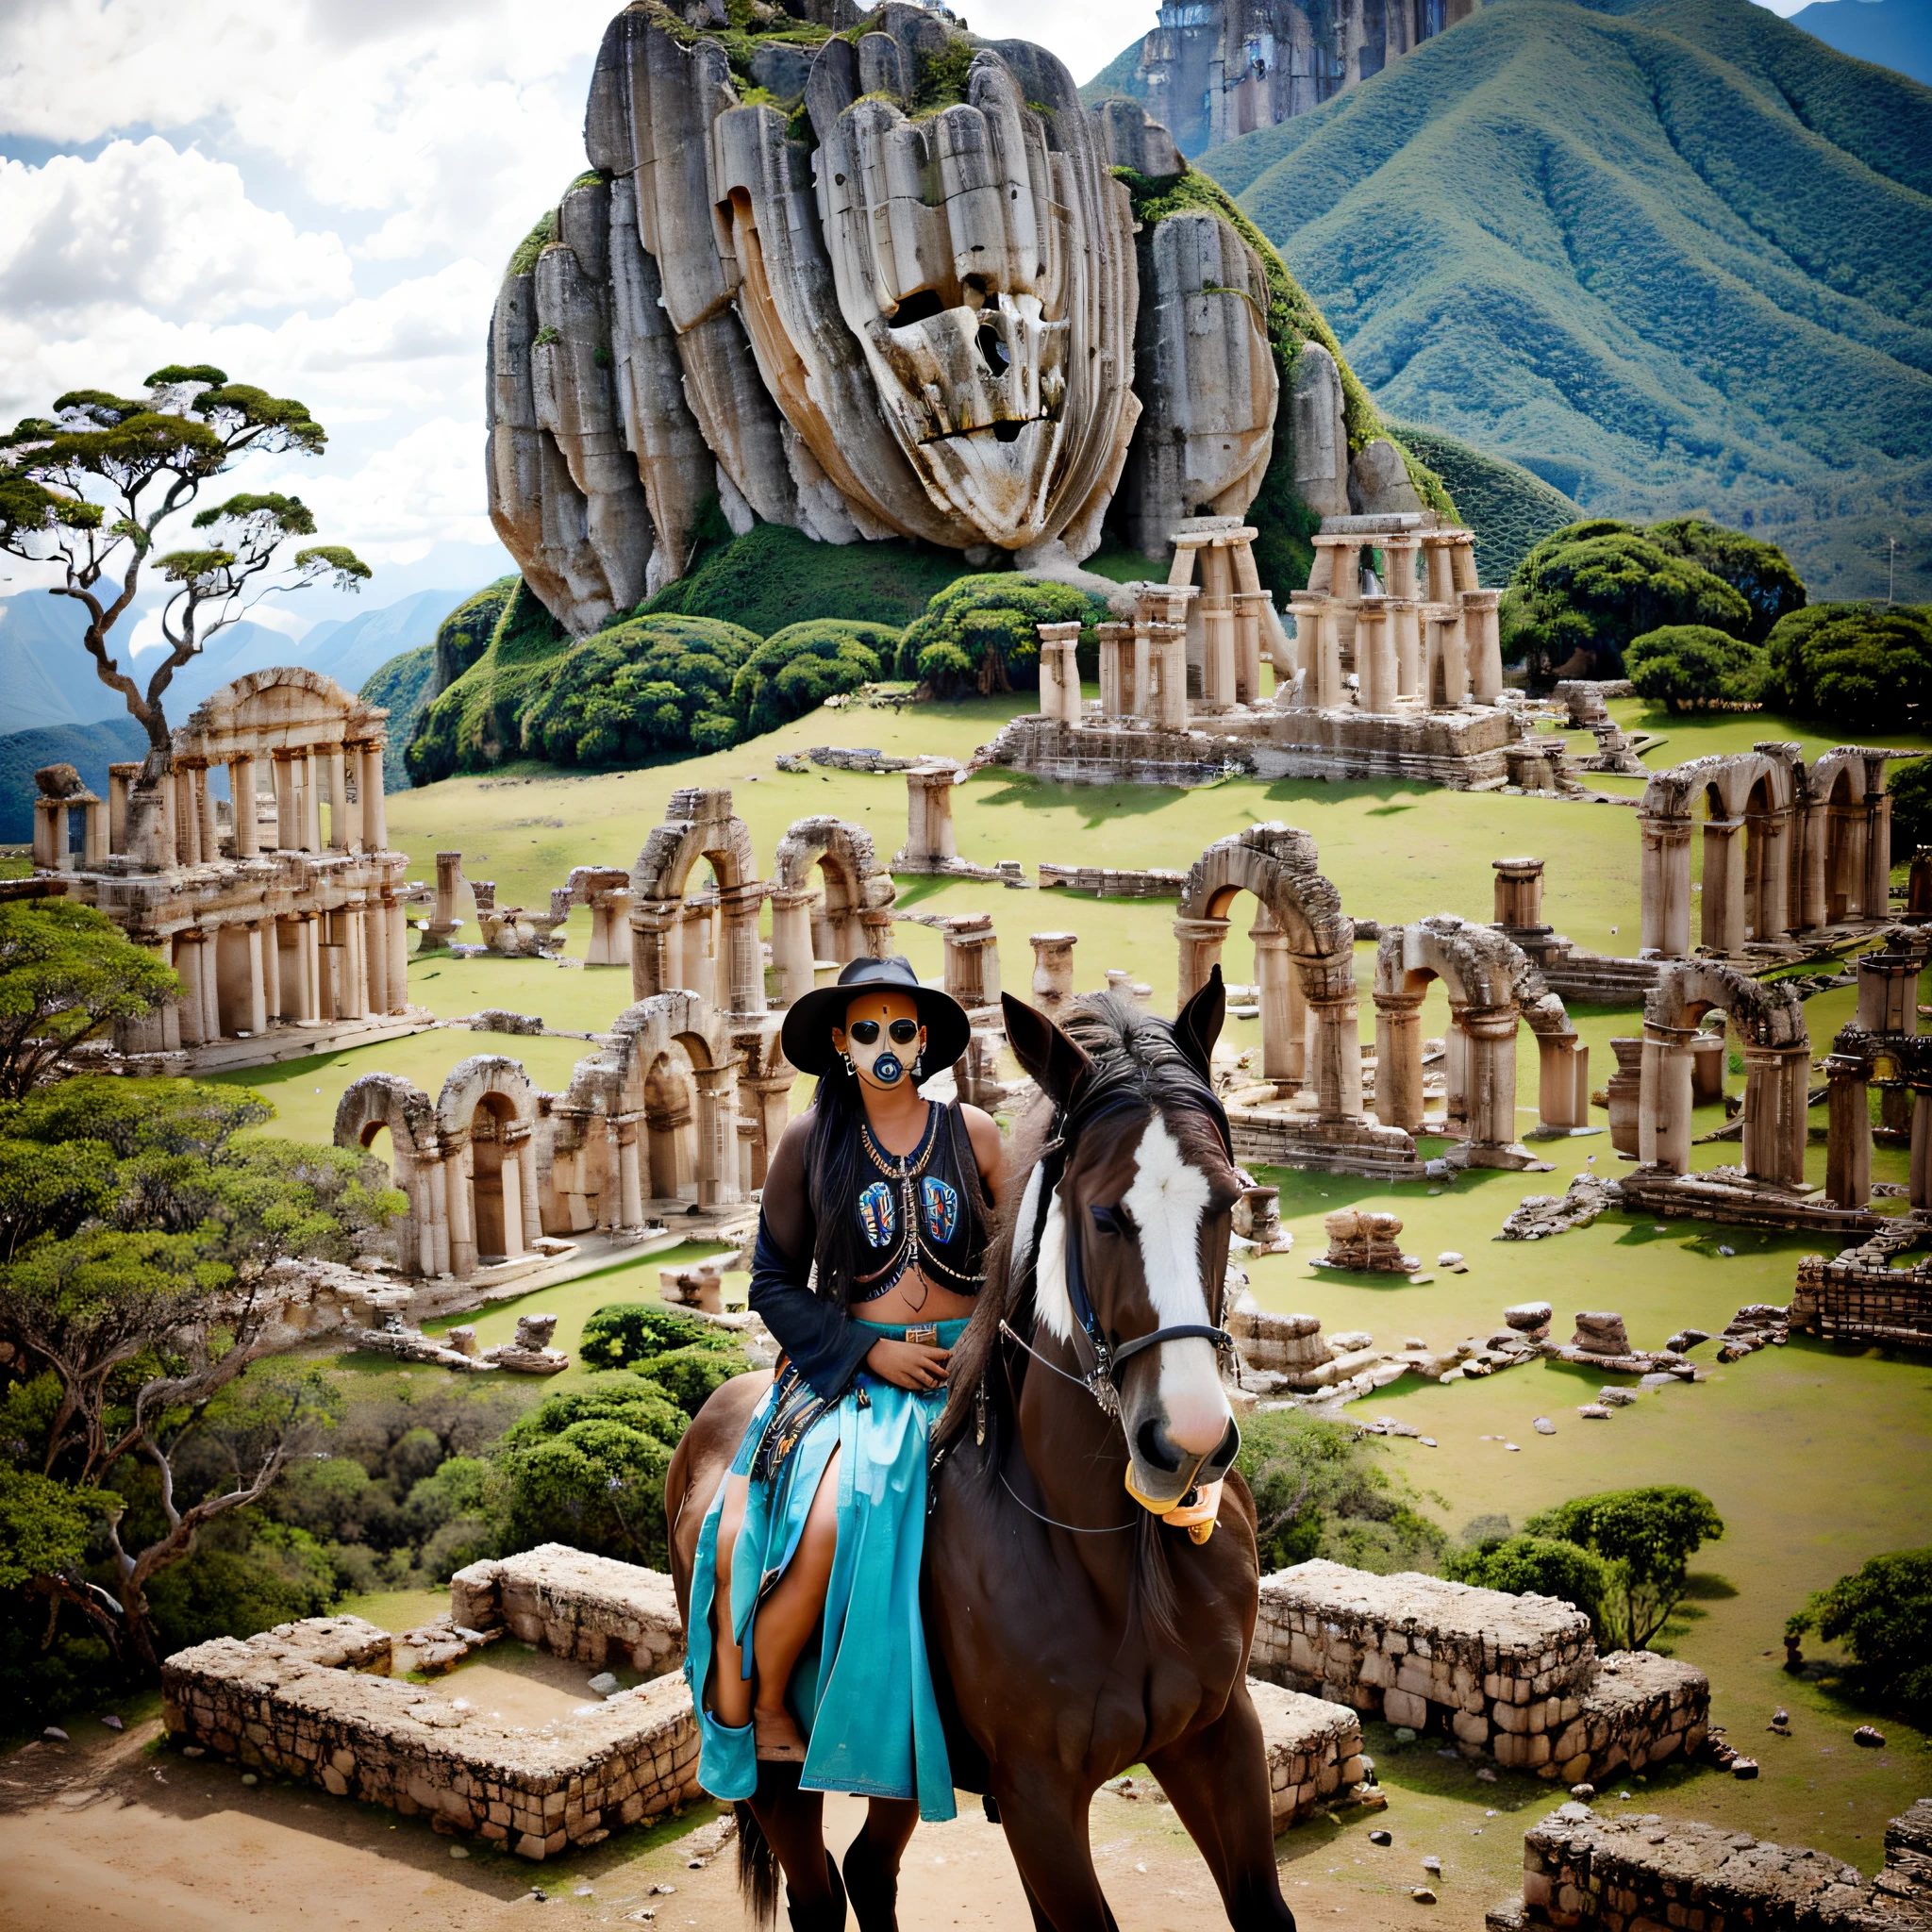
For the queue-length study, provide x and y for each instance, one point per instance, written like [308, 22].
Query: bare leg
[790, 1613]
[727, 1695]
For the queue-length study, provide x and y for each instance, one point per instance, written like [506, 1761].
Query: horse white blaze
[1052, 1302]
[1167, 1200]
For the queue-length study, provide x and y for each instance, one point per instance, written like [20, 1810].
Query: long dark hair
[832, 1176]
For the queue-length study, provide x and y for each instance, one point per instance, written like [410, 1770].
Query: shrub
[690, 1376]
[1686, 665]
[1535, 1566]
[1648, 1536]
[646, 686]
[1882, 1614]
[1761, 572]
[982, 632]
[1911, 786]
[1861, 666]
[631, 1334]
[796, 671]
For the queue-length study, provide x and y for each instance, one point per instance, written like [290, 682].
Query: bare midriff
[915, 1301]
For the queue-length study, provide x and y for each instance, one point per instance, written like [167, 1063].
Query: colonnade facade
[1788, 848]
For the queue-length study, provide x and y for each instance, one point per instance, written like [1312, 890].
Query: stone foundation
[1513, 1677]
[1728, 1194]
[573, 1605]
[1465, 750]
[1314, 1752]
[1105, 882]
[1298, 1139]
[311, 1699]
[1642, 1874]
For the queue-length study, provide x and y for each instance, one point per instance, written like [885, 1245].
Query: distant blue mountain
[48, 679]
[1888, 33]
[89, 748]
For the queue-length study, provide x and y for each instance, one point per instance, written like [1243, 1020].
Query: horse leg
[794, 1823]
[1045, 1822]
[1217, 1780]
[788, 1616]
[872, 1862]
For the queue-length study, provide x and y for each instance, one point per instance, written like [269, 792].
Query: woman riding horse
[807, 1656]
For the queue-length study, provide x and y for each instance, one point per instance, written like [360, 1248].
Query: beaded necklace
[902, 1173]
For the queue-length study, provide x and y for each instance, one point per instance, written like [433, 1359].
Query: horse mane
[1136, 1065]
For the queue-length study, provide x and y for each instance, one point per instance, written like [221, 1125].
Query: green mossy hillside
[1670, 257]
[1509, 508]
[402, 687]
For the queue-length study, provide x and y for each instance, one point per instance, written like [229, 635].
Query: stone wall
[309, 1700]
[573, 1605]
[1513, 1677]
[1641, 1874]
[1105, 882]
[1860, 1297]
[1314, 1751]
[1280, 1139]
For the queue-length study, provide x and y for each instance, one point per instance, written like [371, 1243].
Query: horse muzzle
[1195, 1509]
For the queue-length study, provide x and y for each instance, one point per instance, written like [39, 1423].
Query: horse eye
[1113, 1221]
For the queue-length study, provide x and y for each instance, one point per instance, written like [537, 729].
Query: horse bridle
[1102, 1382]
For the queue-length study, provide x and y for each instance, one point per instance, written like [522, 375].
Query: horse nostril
[1151, 1439]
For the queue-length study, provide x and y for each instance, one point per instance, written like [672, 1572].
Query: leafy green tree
[1648, 1536]
[88, 490]
[981, 633]
[67, 974]
[690, 1376]
[644, 687]
[801, 666]
[138, 1297]
[587, 1467]
[624, 1335]
[1860, 666]
[1593, 587]
[1882, 1613]
[1909, 785]
[1687, 665]
[1537, 1566]
[1761, 572]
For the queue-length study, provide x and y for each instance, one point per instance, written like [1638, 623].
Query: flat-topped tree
[88, 489]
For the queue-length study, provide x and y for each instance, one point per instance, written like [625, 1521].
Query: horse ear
[1197, 1025]
[1055, 1063]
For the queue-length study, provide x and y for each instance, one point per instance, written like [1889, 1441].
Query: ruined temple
[1214, 70]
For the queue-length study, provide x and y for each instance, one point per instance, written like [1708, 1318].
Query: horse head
[1124, 1224]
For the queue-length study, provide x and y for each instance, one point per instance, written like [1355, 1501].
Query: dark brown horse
[1073, 1632]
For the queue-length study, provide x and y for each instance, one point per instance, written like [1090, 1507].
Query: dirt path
[107, 1835]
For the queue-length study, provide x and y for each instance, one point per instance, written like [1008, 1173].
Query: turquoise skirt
[862, 1688]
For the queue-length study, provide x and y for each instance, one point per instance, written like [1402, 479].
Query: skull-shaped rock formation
[873, 285]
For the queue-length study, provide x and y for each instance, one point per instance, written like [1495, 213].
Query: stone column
[1201, 942]
[439, 1191]
[1219, 678]
[341, 828]
[376, 956]
[717, 1122]
[1623, 1090]
[1439, 567]
[1490, 1076]
[189, 966]
[1399, 1060]
[1666, 888]
[398, 958]
[50, 834]
[1167, 676]
[241, 799]
[1878, 856]
[973, 961]
[282, 779]
[1519, 901]
[1140, 699]
[1405, 630]
[311, 801]
[931, 843]
[311, 967]
[511, 1179]
[770, 1101]
[460, 1168]
[743, 960]
[1922, 1148]
[374, 807]
[1375, 657]
[1453, 646]
[1561, 1092]
[1053, 971]
[1722, 926]
[258, 985]
[120, 777]
[1059, 672]
[1309, 613]
[1774, 1127]
[1252, 610]
[654, 964]
[610, 943]
[1483, 626]
[1848, 1151]
[1335, 1051]
[1769, 836]
[1284, 1021]
[1337, 567]
[1113, 702]
[207, 831]
[1888, 993]
[1814, 909]
[631, 1192]
[792, 952]
[1663, 1125]
[271, 968]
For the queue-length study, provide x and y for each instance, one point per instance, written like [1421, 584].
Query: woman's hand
[914, 1365]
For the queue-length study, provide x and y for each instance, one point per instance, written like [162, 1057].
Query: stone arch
[848, 916]
[1492, 985]
[487, 1114]
[1902, 1064]
[1768, 1020]
[667, 935]
[1305, 957]
[1750, 801]
[1847, 859]
[380, 1101]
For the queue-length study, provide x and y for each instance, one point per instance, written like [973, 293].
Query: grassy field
[1668, 256]
[1814, 1456]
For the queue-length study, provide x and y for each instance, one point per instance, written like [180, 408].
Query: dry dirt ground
[107, 1834]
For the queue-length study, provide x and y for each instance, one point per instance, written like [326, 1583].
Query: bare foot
[777, 1737]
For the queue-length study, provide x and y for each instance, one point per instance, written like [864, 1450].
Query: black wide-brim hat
[808, 1022]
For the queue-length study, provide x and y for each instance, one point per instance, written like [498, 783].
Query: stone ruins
[281, 906]
[1512, 1677]
[1625, 1873]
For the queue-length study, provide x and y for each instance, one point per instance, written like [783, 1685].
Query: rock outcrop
[873, 286]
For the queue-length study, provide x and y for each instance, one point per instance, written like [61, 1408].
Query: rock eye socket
[993, 350]
[921, 306]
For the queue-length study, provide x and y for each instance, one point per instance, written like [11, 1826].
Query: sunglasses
[904, 1032]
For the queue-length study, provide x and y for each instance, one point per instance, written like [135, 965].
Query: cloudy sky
[319, 196]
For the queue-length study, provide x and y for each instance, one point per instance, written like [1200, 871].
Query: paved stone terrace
[1644, 1873]
[573, 1605]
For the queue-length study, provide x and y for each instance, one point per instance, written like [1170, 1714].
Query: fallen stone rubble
[1536, 1217]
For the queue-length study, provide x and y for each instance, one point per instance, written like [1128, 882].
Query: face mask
[888, 1070]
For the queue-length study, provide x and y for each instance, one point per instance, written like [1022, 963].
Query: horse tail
[758, 1868]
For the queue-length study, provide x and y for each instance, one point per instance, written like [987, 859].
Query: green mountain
[1672, 259]
[1888, 33]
